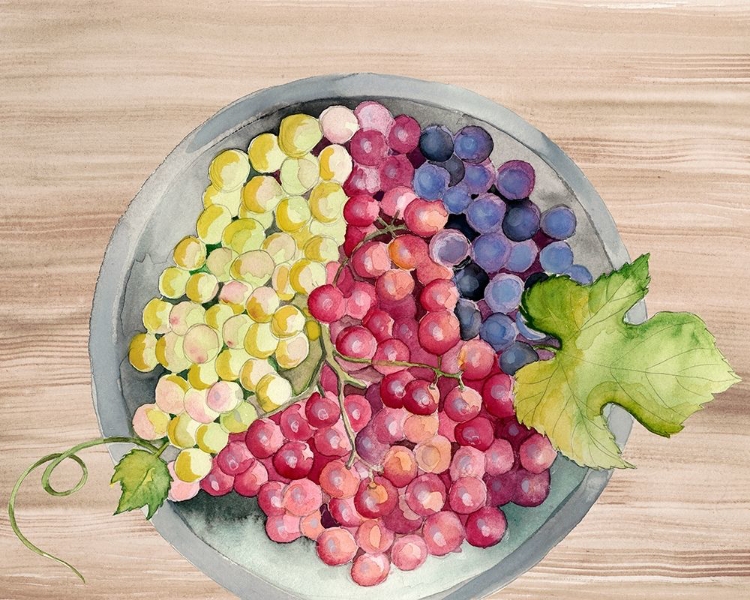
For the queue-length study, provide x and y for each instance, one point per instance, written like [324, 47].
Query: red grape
[263, 438]
[428, 271]
[234, 458]
[302, 497]
[393, 388]
[467, 494]
[395, 171]
[497, 394]
[380, 323]
[477, 432]
[294, 425]
[407, 251]
[283, 528]
[361, 299]
[420, 428]
[293, 460]
[476, 359]
[270, 498]
[440, 294]
[388, 425]
[425, 218]
[390, 351]
[467, 462]
[499, 458]
[402, 519]
[404, 134]
[426, 495]
[356, 342]
[358, 410]
[361, 210]
[447, 426]
[434, 454]
[486, 527]
[396, 200]
[399, 466]
[217, 482]
[373, 536]
[536, 453]
[439, 331]
[500, 488]
[336, 546]
[409, 552]
[332, 441]
[375, 498]
[322, 411]
[394, 285]
[462, 404]
[326, 303]
[513, 431]
[443, 533]
[369, 447]
[354, 236]
[248, 483]
[311, 525]
[370, 569]
[338, 481]
[531, 488]
[363, 179]
[344, 511]
[421, 397]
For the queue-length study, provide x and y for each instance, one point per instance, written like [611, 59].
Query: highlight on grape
[339, 338]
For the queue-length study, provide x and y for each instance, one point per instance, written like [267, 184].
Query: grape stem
[54, 461]
[369, 237]
[399, 363]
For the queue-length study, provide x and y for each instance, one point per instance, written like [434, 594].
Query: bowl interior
[225, 536]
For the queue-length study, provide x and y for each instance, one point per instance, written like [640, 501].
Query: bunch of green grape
[232, 314]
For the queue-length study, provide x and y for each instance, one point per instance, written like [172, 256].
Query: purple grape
[503, 293]
[522, 256]
[517, 355]
[473, 144]
[499, 331]
[557, 257]
[479, 178]
[515, 179]
[558, 222]
[521, 221]
[530, 334]
[535, 278]
[486, 213]
[457, 199]
[455, 167]
[469, 318]
[471, 281]
[449, 247]
[579, 274]
[430, 181]
[491, 251]
[460, 223]
[436, 143]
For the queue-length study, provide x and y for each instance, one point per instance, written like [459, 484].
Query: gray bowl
[224, 537]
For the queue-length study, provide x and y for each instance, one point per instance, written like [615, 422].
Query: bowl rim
[119, 256]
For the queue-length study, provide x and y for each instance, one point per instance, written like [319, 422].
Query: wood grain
[651, 100]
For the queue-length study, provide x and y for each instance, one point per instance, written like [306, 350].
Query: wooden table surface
[651, 100]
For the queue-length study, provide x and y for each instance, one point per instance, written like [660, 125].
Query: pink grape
[429, 271]
[406, 330]
[388, 425]
[462, 404]
[361, 210]
[404, 308]
[356, 342]
[421, 397]
[263, 438]
[443, 533]
[409, 552]
[345, 512]
[370, 569]
[311, 525]
[404, 134]
[336, 546]
[478, 433]
[362, 179]
[283, 528]
[271, 497]
[499, 458]
[446, 426]
[434, 454]
[390, 351]
[394, 285]
[467, 462]
[375, 498]
[426, 495]
[273, 474]
[485, 527]
[332, 441]
[380, 323]
[396, 200]
[467, 494]
[425, 218]
[536, 453]
[368, 147]
[395, 171]
[476, 359]
[328, 379]
[234, 458]
[217, 482]
[440, 294]
[402, 519]
[399, 466]
[302, 497]
[439, 331]
[500, 488]
[322, 411]
[338, 481]
[407, 251]
[358, 410]
[326, 303]
[294, 425]
[420, 428]
[293, 460]
[353, 237]
[248, 483]
[497, 393]
[319, 462]
[531, 488]
[371, 260]
[393, 388]
[373, 536]
[373, 115]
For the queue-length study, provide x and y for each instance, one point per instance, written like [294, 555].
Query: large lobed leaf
[661, 371]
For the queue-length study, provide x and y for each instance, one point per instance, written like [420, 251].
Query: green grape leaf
[661, 371]
[144, 480]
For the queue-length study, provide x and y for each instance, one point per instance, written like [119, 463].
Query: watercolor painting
[370, 336]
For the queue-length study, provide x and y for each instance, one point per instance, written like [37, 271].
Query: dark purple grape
[471, 281]
[521, 221]
[455, 167]
[460, 223]
[556, 258]
[559, 222]
[535, 278]
[499, 331]
[580, 274]
[518, 355]
[436, 143]
[473, 144]
[486, 213]
[469, 318]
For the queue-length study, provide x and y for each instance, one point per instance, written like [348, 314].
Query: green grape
[150, 422]
[201, 344]
[203, 376]
[287, 321]
[254, 267]
[272, 391]
[264, 218]
[217, 315]
[232, 201]
[142, 352]
[192, 464]
[211, 438]
[235, 329]
[239, 419]
[299, 134]
[306, 275]
[262, 304]
[202, 287]
[260, 342]
[292, 214]
[281, 283]
[218, 262]
[170, 393]
[229, 170]
[181, 431]
[335, 230]
[156, 316]
[172, 282]
[252, 371]
[235, 294]
[281, 246]
[212, 222]
[243, 235]
[184, 315]
[196, 405]
[322, 249]
[230, 362]
[327, 201]
[262, 194]
[335, 164]
[292, 351]
[170, 352]
[190, 253]
[265, 154]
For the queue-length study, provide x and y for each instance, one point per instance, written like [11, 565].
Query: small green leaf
[661, 371]
[144, 480]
